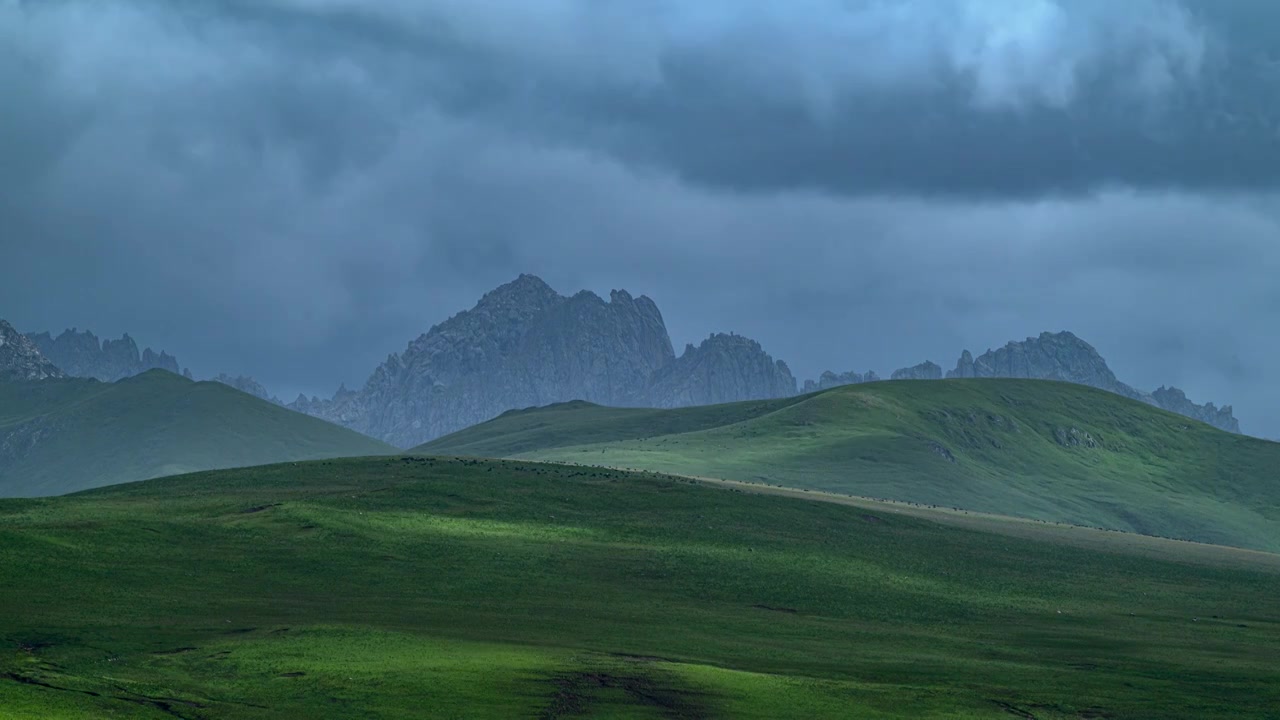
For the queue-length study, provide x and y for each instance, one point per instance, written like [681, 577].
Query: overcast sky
[293, 189]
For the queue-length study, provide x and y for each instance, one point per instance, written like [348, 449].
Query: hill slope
[1038, 449]
[62, 435]
[423, 587]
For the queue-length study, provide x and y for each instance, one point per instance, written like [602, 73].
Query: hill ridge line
[960, 517]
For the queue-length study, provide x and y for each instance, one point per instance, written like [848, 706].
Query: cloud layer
[294, 188]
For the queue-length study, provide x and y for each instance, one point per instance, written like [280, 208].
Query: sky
[294, 189]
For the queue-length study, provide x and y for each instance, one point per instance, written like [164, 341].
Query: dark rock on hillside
[248, 385]
[20, 359]
[80, 354]
[724, 368]
[1065, 357]
[523, 345]
[924, 371]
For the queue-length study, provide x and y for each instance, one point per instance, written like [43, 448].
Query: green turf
[422, 587]
[59, 436]
[1036, 449]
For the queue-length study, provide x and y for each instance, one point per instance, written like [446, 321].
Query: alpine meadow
[665, 360]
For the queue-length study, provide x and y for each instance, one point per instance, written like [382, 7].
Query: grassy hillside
[423, 587]
[1037, 449]
[60, 436]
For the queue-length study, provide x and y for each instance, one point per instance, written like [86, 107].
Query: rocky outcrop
[247, 385]
[80, 354]
[20, 359]
[1065, 357]
[1175, 400]
[724, 368]
[523, 345]
[830, 379]
[1052, 356]
[926, 370]
[964, 366]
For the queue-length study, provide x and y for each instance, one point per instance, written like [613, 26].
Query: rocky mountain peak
[725, 367]
[926, 370]
[81, 354]
[526, 289]
[1051, 356]
[1061, 356]
[1175, 400]
[1065, 357]
[20, 359]
[523, 344]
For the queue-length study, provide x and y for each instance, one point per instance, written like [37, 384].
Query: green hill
[426, 587]
[1036, 449]
[63, 435]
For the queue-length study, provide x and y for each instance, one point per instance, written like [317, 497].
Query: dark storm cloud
[294, 188]
[967, 97]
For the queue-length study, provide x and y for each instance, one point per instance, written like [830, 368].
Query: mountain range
[82, 354]
[1051, 356]
[524, 345]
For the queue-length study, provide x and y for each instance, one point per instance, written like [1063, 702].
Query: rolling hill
[432, 587]
[63, 435]
[1031, 448]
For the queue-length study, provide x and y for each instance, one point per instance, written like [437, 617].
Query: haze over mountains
[524, 344]
[1051, 356]
[82, 354]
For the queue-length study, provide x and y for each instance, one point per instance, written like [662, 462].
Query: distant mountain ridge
[1051, 356]
[82, 354]
[723, 368]
[79, 353]
[1063, 356]
[524, 344]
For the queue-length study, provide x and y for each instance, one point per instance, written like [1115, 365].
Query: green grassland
[59, 436]
[415, 587]
[1036, 449]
